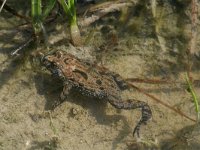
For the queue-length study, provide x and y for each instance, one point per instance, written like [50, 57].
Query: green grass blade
[48, 8]
[67, 7]
[36, 9]
[194, 97]
[36, 13]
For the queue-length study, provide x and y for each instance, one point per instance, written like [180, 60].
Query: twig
[150, 81]
[12, 11]
[3, 3]
[111, 7]
[162, 103]
[194, 18]
[15, 52]
[192, 47]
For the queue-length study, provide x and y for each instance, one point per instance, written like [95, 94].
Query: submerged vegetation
[70, 9]
[39, 18]
[39, 15]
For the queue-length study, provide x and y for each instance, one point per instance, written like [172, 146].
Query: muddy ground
[133, 50]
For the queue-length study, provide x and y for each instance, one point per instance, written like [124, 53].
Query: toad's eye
[66, 60]
[59, 54]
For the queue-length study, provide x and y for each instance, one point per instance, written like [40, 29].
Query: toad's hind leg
[133, 104]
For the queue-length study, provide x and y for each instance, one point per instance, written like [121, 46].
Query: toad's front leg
[133, 104]
[65, 92]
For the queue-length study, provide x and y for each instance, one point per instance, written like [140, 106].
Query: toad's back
[89, 79]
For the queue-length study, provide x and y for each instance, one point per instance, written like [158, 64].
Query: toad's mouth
[53, 68]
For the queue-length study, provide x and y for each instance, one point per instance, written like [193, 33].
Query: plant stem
[74, 30]
[70, 9]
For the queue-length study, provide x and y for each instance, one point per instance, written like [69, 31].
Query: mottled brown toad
[92, 81]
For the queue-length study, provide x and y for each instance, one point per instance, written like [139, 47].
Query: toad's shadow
[51, 89]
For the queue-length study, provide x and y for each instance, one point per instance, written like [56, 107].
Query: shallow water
[141, 46]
